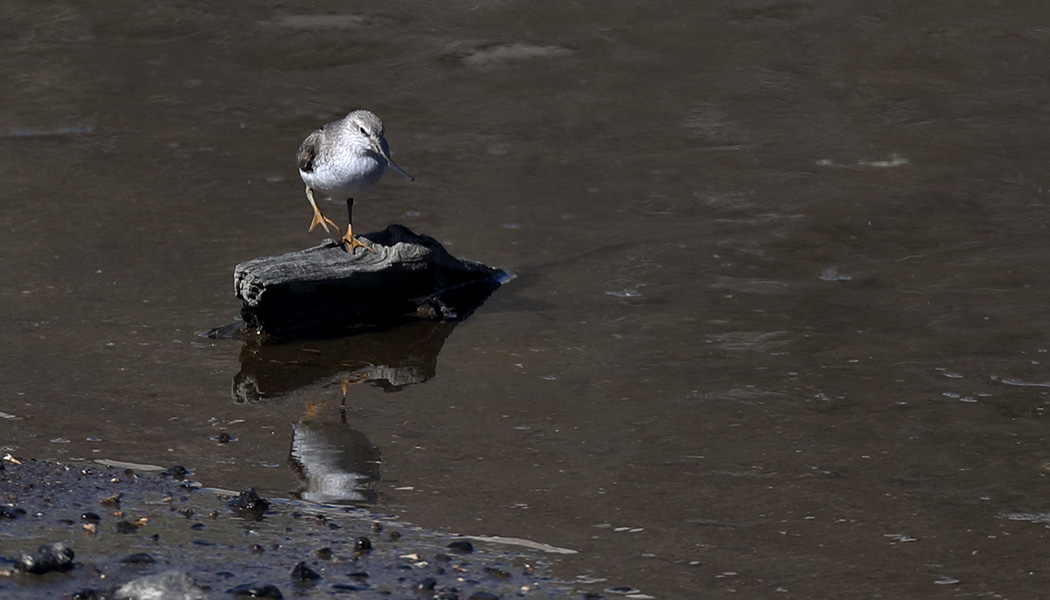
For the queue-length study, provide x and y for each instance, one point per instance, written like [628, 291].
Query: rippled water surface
[778, 326]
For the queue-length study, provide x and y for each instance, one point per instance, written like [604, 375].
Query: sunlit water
[780, 299]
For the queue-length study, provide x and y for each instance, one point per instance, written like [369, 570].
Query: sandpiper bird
[343, 160]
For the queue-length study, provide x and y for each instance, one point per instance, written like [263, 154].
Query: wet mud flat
[92, 532]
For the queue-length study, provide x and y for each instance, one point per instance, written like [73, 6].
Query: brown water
[778, 326]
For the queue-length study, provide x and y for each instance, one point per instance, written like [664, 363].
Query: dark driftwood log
[325, 290]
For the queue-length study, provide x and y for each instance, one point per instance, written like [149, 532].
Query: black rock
[362, 545]
[92, 594]
[497, 572]
[256, 590]
[126, 527]
[303, 573]
[177, 472]
[426, 584]
[90, 517]
[48, 558]
[11, 512]
[139, 558]
[461, 547]
[249, 504]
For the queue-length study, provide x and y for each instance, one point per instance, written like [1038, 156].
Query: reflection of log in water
[326, 291]
[390, 359]
[335, 464]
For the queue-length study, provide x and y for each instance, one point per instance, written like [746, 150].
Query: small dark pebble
[324, 554]
[394, 536]
[113, 500]
[461, 546]
[303, 573]
[497, 573]
[126, 527]
[66, 522]
[377, 526]
[205, 543]
[177, 472]
[343, 587]
[197, 526]
[48, 558]
[11, 512]
[89, 594]
[249, 504]
[256, 590]
[592, 596]
[426, 584]
[90, 517]
[362, 545]
[358, 575]
[483, 596]
[139, 558]
[258, 549]
[447, 595]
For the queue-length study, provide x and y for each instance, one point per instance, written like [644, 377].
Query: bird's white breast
[345, 176]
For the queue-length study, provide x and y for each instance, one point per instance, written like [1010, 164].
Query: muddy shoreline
[133, 534]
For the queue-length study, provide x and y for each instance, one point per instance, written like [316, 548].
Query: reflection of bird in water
[343, 160]
[337, 464]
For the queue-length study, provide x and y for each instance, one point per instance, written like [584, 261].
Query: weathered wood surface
[325, 290]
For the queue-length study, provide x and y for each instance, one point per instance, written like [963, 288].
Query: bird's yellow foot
[350, 242]
[321, 220]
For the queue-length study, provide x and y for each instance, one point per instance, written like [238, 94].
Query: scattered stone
[461, 547]
[362, 545]
[125, 526]
[426, 585]
[177, 472]
[55, 495]
[303, 573]
[90, 594]
[256, 590]
[48, 558]
[11, 512]
[249, 504]
[497, 573]
[171, 585]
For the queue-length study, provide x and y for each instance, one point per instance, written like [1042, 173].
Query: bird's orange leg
[319, 219]
[349, 240]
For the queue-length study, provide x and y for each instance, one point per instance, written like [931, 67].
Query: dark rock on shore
[48, 558]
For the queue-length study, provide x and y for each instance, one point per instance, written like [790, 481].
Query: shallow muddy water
[778, 321]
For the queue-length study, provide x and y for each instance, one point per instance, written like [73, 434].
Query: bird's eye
[363, 131]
